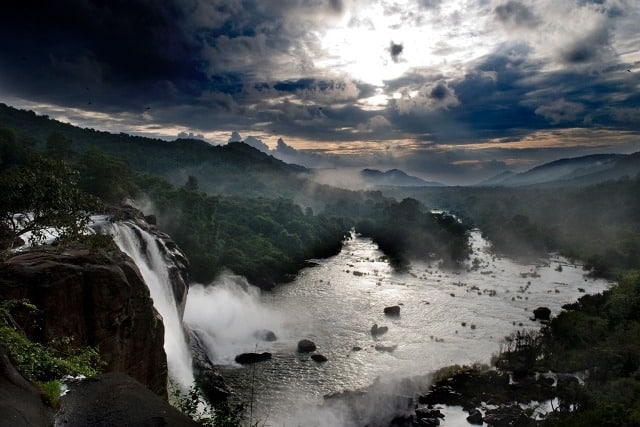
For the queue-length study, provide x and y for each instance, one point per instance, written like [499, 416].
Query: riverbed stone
[306, 346]
[392, 311]
[250, 358]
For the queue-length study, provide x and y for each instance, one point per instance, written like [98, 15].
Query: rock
[115, 399]
[542, 313]
[265, 335]
[378, 330]
[21, 402]
[97, 299]
[475, 417]
[249, 358]
[428, 417]
[393, 311]
[151, 219]
[211, 383]
[387, 348]
[319, 358]
[356, 348]
[306, 346]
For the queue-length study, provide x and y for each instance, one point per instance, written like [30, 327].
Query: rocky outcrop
[115, 399]
[21, 403]
[211, 382]
[96, 299]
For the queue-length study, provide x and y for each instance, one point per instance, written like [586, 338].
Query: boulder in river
[306, 346]
[387, 348]
[319, 358]
[249, 358]
[265, 335]
[542, 313]
[393, 310]
[378, 330]
[475, 417]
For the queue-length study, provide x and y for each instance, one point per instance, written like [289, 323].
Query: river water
[447, 317]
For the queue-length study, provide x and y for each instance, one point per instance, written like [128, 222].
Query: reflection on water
[447, 317]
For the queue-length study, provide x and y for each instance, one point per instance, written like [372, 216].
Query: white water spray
[142, 247]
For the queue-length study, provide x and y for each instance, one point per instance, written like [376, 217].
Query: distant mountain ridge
[576, 171]
[395, 178]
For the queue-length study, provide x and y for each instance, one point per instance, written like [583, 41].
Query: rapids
[447, 317]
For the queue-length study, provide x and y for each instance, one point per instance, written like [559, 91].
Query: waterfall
[144, 249]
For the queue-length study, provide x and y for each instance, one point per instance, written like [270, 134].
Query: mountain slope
[395, 178]
[576, 171]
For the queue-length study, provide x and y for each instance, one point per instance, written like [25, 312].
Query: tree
[43, 194]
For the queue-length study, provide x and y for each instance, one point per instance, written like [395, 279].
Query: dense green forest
[598, 224]
[240, 209]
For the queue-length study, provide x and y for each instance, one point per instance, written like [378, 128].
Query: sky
[451, 91]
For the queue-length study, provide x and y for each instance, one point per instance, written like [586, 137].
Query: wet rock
[212, 384]
[475, 417]
[249, 358]
[265, 335]
[20, 401]
[392, 311]
[542, 313]
[306, 346]
[378, 330]
[387, 348]
[115, 399]
[97, 299]
[319, 358]
[151, 219]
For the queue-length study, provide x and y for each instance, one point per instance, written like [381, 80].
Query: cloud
[428, 97]
[376, 123]
[516, 14]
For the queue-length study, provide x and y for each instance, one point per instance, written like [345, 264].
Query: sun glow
[386, 40]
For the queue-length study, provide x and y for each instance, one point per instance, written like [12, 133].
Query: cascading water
[144, 249]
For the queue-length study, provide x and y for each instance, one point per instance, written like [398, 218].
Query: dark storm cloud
[592, 47]
[516, 14]
[72, 49]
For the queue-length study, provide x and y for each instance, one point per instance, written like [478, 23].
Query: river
[447, 317]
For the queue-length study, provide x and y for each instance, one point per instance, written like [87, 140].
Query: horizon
[448, 91]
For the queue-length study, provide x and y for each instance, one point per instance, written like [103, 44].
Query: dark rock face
[475, 417]
[211, 382]
[249, 358]
[306, 346]
[20, 402]
[542, 313]
[98, 300]
[115, 399]
[393, 311]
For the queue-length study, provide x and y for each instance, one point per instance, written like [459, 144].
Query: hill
[395, 178]
[578, 171]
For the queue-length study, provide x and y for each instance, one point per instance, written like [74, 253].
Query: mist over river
[447, 317]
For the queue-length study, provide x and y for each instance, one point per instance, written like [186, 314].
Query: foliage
[195, 406]
[598, 224]
[43, 364]
[41, 195]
